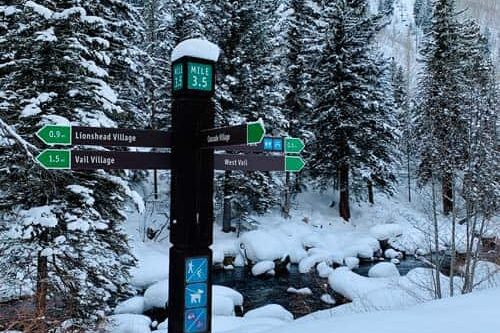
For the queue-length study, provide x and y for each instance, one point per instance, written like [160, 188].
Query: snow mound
[197, 48]
[156, 296]
[386, 231]
[270, 311]
[328, 299]
[324, 270]
[235, 296]
[261, 245]
[383, 269]
[262, 267]
[393, 254]
[222, 306]
[130, 323]
[134, 305]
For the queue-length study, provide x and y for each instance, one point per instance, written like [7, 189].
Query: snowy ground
[316, 240]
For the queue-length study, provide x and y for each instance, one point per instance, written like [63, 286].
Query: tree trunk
[226, 210]
[285, 209]
[41, 282]
[370, 192]
[344, 210]
[447, 192]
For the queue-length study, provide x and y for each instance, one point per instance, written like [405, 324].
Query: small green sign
[294, 163]
[255, 132]
[55, 159]
[55, 135]
[200, 76]
[178, 77]
[294, 145]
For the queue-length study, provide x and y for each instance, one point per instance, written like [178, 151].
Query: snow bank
[383, 269]
[197, 48]
[246, 325]
[270, 311]
[134, 305]
[386, 231]
[222, 306]
[130, 323]
[152, 264]
[156, 296]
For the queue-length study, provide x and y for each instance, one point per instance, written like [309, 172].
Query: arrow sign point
[294, 163]
[294, 145]
[55, 135]
[55, 159]
[255, 132]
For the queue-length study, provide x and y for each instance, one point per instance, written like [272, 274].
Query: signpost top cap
[196, 48]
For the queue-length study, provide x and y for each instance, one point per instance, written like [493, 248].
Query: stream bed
[260, 291]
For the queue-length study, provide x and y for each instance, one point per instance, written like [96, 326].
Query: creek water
[259, 291]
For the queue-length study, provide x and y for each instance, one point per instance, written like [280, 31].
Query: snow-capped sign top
[197, 48]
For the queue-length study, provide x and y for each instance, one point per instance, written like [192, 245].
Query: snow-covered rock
[270, 311]
[393, 254]
[395, 261]
[263, 267]
[129, 323]
[222, 306]
[324, 270]
[156, 296]
[301, 291]
[235, 296]
[260, 245]
[134, 305]
[383, 269]
[351, 262]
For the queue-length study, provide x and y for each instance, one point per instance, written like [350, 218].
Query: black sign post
[191, 209]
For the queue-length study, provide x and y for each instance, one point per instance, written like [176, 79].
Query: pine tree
[440, 125]
[59, 64]
[353, 122]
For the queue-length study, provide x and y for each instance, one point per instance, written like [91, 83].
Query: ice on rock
[328, 299]
[197, 48]
[301, 291]
[239, 261]
[129, 323]
[395, 261]
[383, 269]
[351, 262]
[386, 231]
[156, 296]
[270, 311]
[134, 305]
[263, 267]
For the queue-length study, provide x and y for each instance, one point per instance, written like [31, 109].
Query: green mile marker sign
[55, 135]
[294, 163]
[55, 159]
[178, 77]
[199, 76]
[294, 145]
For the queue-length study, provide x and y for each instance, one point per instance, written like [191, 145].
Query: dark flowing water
[259, 291]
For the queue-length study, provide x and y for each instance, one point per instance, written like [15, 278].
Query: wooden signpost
[193, 140]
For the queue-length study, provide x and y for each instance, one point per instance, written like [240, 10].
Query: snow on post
[197, 48]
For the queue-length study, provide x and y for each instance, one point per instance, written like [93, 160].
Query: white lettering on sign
[221, 137]
[115, 137]
[242, 162]
[95, 159]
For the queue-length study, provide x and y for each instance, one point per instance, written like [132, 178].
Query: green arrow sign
[294, 145]
[255, 132]
[55, 159]
[294, 163]
[55, 135]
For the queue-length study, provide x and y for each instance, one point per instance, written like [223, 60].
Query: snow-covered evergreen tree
[354, 120]
[61, 64]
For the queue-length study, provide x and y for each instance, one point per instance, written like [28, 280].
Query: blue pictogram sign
[195, 320]
[195, 295]
[196, 269]
[268, 143]
[278, 144]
